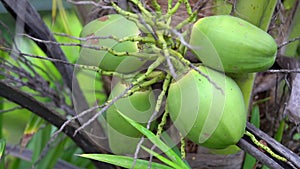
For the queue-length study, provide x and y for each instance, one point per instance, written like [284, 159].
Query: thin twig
[96, 47]
[69, 36]
[89, 3]
[11, 109]
[143, 22]
[36, 56]
[284, 71]
[86, 67]
[82, 139]
[207, 77]
[20, 76]
[288, 42]
[74, 118]
[136, 38]
[103, 109]
[181, 38]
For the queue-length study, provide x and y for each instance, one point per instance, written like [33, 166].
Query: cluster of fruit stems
[160, 52]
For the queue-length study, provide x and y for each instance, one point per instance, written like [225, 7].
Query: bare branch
[284, 71]
[288, 42]
[95, 47]
[35, 27]
[89, 3]
[103, 109]
[74, 118]
[11, 109]
[272, 143]
[26, 155]
[19, 76]
[247, 147]
[82, 139]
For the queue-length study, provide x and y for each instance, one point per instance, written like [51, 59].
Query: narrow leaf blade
[161, 158]
[2, 150]
[155, 140]
[124, 161]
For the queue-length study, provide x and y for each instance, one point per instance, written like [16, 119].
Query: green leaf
[288, 4]
[280, 130]
[168, 140]
[255, 116]
[1, 116]
[161, 158]
[39, 141]
[31, 128]
[1, 99]
[124, 161]
[52, 155]
[70, 149]
[250, 161]
[64, 17]
[294, 31]
[155, 140]
[296, 136]
[2, 153]
[265, 167]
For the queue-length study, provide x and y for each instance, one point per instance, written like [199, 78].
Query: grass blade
[155, 140]
[250, 161]
[31, 128]
[52, 155]
[161, 158]
[2, 150]
[280, 130]
[124, 161]
[255, 116]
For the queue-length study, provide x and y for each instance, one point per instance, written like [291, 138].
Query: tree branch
[81, 138]
[249, 148]
[26, 155]
[272, 143]
[22, 11]
[246, 144]
[35, 27]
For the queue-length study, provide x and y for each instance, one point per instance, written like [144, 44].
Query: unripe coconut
[232, 45]
[119, 27]
[210, 112]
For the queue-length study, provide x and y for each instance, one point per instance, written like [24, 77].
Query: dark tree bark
[81, 138]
